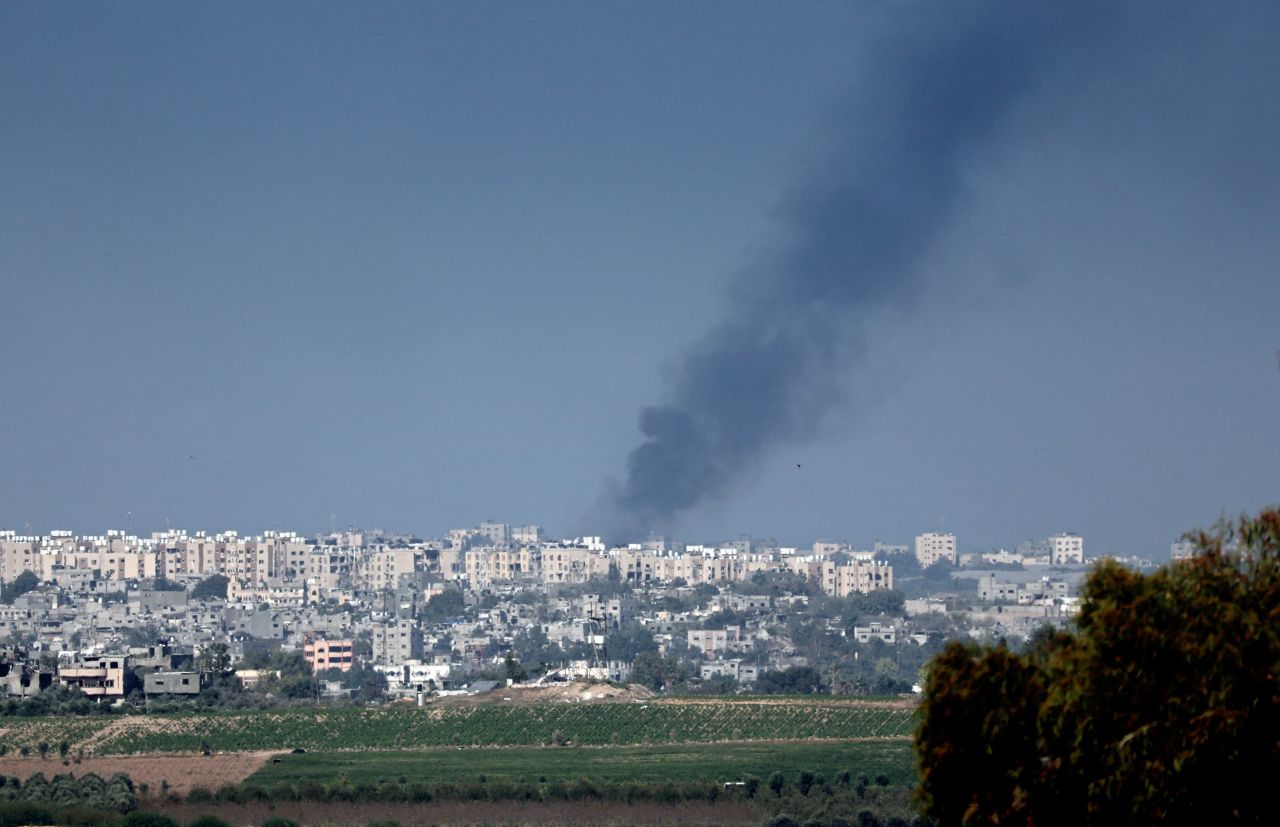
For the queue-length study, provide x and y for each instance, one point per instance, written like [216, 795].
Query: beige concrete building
[934, 546]
[1066, 550]
[101, 676]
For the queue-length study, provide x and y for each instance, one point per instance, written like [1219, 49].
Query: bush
[36, 789]
[207, 821]
[867, 818]
[87, 817]
[18, 813]
[284, 791]
[278, 822]
[144, 818]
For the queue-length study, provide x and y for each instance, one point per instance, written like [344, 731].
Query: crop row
[18, 734]
[407, 727]
[587, 724]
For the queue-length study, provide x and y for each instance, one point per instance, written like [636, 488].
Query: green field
[406, 727]
[638, 764]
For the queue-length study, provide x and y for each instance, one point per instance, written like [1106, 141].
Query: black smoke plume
[855, 233]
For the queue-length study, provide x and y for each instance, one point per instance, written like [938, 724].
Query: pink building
[330, 654]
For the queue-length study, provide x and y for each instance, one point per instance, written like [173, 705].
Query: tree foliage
[798, 680]
[215, 585]
[1152, 710]
[448, 603]
[20, 585]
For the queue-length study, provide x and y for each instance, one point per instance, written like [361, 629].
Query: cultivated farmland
[672, 763]
[403, 727]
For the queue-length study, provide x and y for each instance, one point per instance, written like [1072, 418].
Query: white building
[876, 631]
[1066, 550]
[1182, 550]
[935, 546]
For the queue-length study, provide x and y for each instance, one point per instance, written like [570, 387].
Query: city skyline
[425, 265]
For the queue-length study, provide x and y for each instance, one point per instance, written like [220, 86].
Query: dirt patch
[567, 692]
[182, 772]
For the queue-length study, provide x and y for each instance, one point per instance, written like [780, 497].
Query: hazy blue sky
[418, 265]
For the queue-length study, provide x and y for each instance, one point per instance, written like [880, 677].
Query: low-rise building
[329, 654]
[98, 676]
[23, 680]
[743, 673]
[171, 683]
[875, 631]
[711, 641]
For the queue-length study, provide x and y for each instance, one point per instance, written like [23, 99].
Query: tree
[21, 584]
[373, 687]
[448, 603]
[657, 672]
[212, 586]
[798, 680]
[1164, 695]
[512, 670]
[215, 659]
[629, 641]
[876, 602]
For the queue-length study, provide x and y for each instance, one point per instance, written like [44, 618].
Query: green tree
[1165, 694]
[212, 586]
[20, 585]
[512, 669]
[143, 818]
[448, 603]
[657, 672]
[215, 659]
[629, 641]
[207, 821]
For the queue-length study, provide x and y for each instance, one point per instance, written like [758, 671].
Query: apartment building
[710, 642]
[329, 654]
[933, 547]
[1066, 550]
[396, 642]
[100, 676]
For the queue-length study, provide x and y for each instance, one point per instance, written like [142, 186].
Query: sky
[413, 266]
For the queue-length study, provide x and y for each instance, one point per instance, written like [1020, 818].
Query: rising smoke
[855, 232]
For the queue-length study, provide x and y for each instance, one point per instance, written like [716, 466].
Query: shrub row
[28, 814]
[806, 783]
[65, 790]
